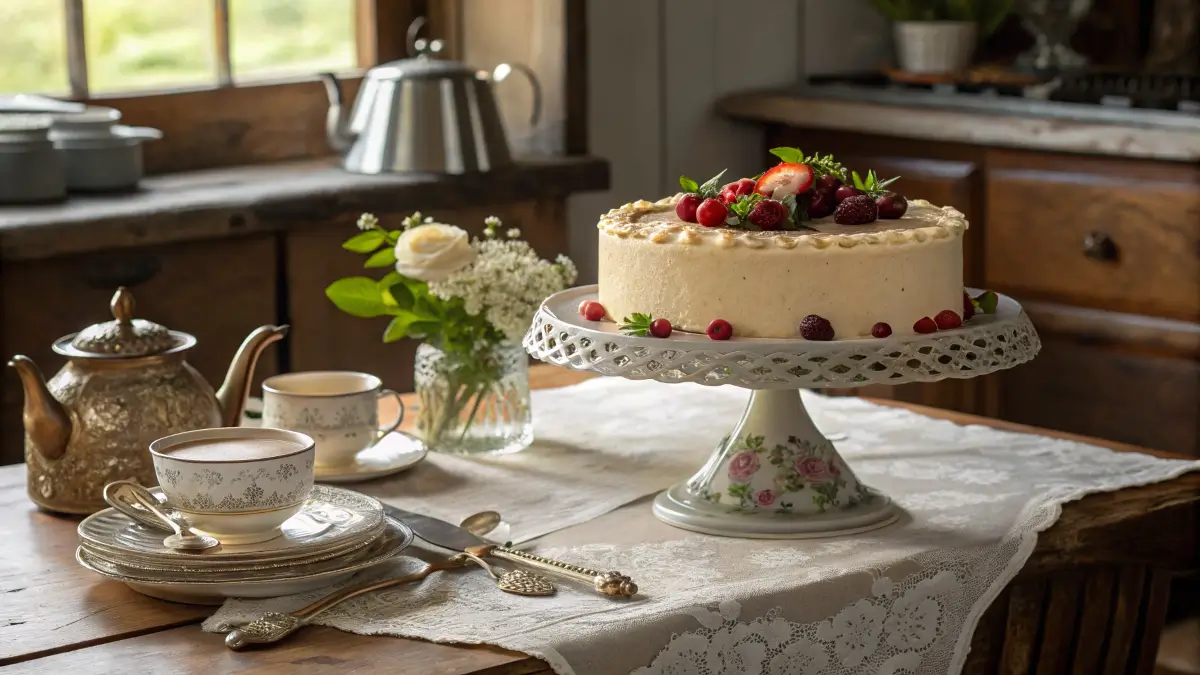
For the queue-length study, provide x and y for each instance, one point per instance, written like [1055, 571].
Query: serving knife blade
[440, 533]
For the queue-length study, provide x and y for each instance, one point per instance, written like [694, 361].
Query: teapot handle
[501, 73]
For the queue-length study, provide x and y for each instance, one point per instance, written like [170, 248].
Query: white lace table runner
[903, 599]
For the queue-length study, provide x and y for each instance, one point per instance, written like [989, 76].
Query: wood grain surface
[59, 618]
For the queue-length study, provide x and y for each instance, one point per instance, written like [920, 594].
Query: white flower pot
[934, 46]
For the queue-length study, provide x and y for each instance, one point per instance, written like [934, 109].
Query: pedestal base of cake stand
[775, 477]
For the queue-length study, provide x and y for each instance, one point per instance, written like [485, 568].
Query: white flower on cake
[433, 251]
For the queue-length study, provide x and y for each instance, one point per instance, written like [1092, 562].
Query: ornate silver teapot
[125, 384]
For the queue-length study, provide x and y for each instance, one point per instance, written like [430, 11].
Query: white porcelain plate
[396, 452]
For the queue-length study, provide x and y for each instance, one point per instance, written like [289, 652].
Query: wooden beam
[576, 141]
[77, 72]
[221, 38]
[381, 28]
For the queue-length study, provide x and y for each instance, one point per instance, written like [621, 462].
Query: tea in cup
[338, 409]
[236, 484]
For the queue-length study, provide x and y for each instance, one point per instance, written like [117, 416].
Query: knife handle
[605, 583]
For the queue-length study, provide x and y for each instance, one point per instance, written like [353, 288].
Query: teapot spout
[47, 424]
[232, 394]
[336, 120]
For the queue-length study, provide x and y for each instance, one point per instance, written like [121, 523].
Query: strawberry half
[783, 179]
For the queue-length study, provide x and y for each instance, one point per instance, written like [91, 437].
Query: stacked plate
[337, 533]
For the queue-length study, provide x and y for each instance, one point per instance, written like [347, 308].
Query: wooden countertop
[243, 200]
[60, 618]
[1033, 125]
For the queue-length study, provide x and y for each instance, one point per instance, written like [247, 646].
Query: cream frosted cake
[801, 251]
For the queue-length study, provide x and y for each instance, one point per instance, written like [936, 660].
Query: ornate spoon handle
[605, 583]
[274, 626]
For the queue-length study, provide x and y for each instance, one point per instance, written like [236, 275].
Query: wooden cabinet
[324, 338]
[1105, 255]
[218, 291]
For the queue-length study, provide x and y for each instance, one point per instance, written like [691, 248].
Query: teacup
[237, 484]
[339, 409]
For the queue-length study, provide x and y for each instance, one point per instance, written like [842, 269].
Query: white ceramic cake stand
[775, 475]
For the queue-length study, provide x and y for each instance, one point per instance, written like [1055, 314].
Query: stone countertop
[242, 200]
[994, 121]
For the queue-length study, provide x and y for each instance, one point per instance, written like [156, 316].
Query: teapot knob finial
[122, 305]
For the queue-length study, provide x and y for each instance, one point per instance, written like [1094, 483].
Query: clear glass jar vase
[474, 402]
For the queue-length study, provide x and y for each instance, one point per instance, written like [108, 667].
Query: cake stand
[776, 475]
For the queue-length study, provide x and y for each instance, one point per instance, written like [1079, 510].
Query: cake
[778, 264]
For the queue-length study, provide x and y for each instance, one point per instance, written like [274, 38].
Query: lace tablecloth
[903, 599]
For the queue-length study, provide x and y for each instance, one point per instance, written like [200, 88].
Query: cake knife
[452, 537]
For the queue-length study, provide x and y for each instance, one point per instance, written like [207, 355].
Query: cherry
[686, 207]
[892, 205]
[845, 192]
[711, 213]
[828, 183]
[881, 330]
[660, 328]
[822, 204]
[968, 307]
[591, 310]
[768, 214]
[719, 329]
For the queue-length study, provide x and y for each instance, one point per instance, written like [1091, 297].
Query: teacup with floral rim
[338, 409]
[237, 484]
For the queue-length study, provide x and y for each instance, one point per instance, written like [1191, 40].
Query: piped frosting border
[942, 222]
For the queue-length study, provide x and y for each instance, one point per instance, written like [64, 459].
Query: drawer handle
[1100, 246]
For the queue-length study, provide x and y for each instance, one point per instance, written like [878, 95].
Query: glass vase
[474, 402]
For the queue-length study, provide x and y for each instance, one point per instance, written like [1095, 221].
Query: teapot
[424, 114]
[126, 383]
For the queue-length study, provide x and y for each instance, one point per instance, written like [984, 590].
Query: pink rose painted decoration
[743, 466]
[812, 469]
[764, 498]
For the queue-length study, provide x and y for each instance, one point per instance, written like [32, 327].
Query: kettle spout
[337, 122]
[47, 424]
[232, 395]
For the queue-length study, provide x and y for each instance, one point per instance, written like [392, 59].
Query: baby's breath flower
[367, 221]
[513, 233]
[414, 220]
[491, 225]
[429, 219]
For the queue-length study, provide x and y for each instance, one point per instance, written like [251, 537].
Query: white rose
[433, 251]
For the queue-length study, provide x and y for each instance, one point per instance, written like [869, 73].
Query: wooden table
[1091, 599]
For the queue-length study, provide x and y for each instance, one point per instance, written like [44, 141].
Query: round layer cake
[765, 282]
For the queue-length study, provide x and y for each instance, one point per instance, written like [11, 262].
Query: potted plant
[470, 302]
[939, 36]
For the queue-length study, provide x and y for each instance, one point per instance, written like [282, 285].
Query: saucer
[392, 454]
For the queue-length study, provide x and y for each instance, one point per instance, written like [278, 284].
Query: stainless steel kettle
[424, 114]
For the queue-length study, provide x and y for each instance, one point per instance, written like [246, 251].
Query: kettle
[424, 114]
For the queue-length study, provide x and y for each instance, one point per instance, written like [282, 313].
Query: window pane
[269, 38]
[33, 51]
[141, 44]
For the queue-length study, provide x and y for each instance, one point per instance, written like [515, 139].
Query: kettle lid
[124, 336]
[421, 67]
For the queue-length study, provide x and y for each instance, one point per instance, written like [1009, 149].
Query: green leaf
[384, 257]
[858, 181]
[393, 237]
[790, 155]
[423, 329]
[986, 302]
[636, 324]
[365, 242]
[399, 326]
[425, 306]
[357, 296]
[390, 279]
[688, 184]
[709, 188]
[402, 296]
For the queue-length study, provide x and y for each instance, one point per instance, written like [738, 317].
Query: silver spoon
[486, 525]
[185, 538]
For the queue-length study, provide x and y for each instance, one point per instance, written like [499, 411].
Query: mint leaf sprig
[707, 189]
[636, 324]
[986, 302]
[873, 186]
[740, 210]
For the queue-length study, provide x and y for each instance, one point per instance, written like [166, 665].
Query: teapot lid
[124, 336]
[421, 67]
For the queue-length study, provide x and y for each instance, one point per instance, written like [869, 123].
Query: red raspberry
[712, 213]
[660, 328]
[821, 204]
[881, 330]
[845, 192]
[856, 210]
[768, 214]
[686, 207]
[968, 307]
[719, 329]
[813, 327]
[925, 325]
[947, 319]
[891, 205]
[591, 310]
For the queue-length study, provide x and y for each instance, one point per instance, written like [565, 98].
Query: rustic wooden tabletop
[1091, 599]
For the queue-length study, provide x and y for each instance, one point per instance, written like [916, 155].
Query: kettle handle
[501, 73]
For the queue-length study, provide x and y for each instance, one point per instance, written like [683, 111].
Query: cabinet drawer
[1078, 232]
[216, 290]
